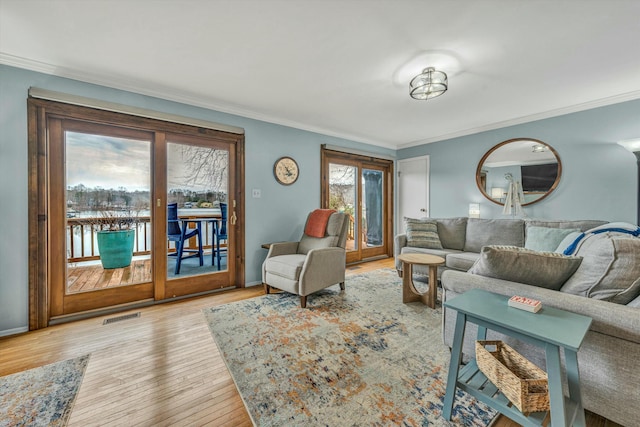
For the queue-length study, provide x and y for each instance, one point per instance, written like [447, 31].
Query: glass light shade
[429, 84]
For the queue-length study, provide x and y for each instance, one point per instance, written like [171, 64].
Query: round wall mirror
[531, 163]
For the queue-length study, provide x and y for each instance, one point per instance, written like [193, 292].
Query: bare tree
[206, 167]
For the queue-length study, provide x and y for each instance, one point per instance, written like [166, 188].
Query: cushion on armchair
[543, 269]
[331, 237]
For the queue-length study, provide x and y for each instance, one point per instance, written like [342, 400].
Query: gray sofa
[609, 358]
[463, 238]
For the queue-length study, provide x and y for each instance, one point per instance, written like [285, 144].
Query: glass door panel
[343, 197]
[197, 208]
[372, 209]
[108, 222]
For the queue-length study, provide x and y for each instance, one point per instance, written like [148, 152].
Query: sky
[111, 162]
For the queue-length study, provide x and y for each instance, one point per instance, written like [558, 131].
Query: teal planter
[116, 248]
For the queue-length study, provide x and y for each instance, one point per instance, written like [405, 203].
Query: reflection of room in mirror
[532, 163]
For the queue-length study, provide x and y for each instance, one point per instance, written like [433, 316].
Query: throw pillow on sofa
[422, 233]
[610, 270]
[543, 269]
[546, 239]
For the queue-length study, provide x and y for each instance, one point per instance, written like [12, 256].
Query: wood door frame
[362, 161]
[39, 112]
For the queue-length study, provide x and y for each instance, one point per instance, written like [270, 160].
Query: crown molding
[143, 88]
[170, 94]
[616, 99]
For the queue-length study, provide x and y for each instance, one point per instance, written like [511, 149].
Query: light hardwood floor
[160, 369]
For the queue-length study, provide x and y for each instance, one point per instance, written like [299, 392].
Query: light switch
[256, 193]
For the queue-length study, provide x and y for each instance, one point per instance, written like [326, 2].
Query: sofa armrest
[608, 318]
[282, 248]
[399, 242]
[323, 267]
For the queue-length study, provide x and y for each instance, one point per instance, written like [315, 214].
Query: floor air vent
[119, 318]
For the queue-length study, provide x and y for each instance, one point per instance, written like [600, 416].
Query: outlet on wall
[256, 193]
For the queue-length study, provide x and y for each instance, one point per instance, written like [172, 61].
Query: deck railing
[82, 241]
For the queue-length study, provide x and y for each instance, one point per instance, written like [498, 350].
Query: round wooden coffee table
[409, 291]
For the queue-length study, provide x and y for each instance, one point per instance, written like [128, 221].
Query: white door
[413, 189]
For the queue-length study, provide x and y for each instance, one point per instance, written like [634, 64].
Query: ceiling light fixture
[428, 84]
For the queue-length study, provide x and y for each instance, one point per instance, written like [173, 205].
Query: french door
[106, 176]
[360, 186]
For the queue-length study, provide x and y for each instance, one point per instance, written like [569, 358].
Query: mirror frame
[488, 153]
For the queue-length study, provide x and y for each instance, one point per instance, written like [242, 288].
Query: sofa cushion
[543, 269]
[452, 232]
[422, 233]
[483, 232]
[610, 270]
[438, 252]
[462, 261]
[546, 239]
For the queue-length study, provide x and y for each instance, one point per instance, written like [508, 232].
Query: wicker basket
[522, 382]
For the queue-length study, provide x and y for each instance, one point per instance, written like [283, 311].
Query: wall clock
[286, 170]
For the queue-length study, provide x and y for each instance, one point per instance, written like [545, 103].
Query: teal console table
[550, 328]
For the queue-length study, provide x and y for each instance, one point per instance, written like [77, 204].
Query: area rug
[41, 396]
[352, 358]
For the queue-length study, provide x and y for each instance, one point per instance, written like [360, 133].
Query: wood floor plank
[160, 369]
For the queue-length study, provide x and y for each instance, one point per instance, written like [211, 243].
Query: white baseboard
[14, 331]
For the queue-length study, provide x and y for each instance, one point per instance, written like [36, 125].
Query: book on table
[524, 303]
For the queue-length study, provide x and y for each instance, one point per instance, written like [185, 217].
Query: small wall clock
[286, 170]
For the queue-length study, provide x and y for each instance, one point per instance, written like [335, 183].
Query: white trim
[358, 152]
[50, 95]
[629, 96]
[14, 331]
[170, 94]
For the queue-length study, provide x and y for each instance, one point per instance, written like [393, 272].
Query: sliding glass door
[133, 210]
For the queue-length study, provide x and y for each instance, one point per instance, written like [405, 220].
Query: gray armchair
[309, 265]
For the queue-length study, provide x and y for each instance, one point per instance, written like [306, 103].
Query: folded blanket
[317, 223]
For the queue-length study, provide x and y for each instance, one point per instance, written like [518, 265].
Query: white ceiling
[342, 67]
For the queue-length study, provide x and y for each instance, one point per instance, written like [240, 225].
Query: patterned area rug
[352, 358]
[42, 396]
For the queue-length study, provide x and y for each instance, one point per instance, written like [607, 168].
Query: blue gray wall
[599, 177]
[598, 181]
[278, 215]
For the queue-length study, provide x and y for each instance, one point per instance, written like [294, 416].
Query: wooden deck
[92, 277]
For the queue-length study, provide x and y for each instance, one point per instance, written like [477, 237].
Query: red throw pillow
[317, 223]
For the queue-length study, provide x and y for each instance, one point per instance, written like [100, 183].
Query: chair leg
[342, 285]
[267, 288]
[200, 250]
[303, 301]
[178, 257]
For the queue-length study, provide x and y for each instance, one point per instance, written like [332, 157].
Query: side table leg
[409, 292]
[556, 397]
[454, 366]
[433, 286]
[573, 380]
